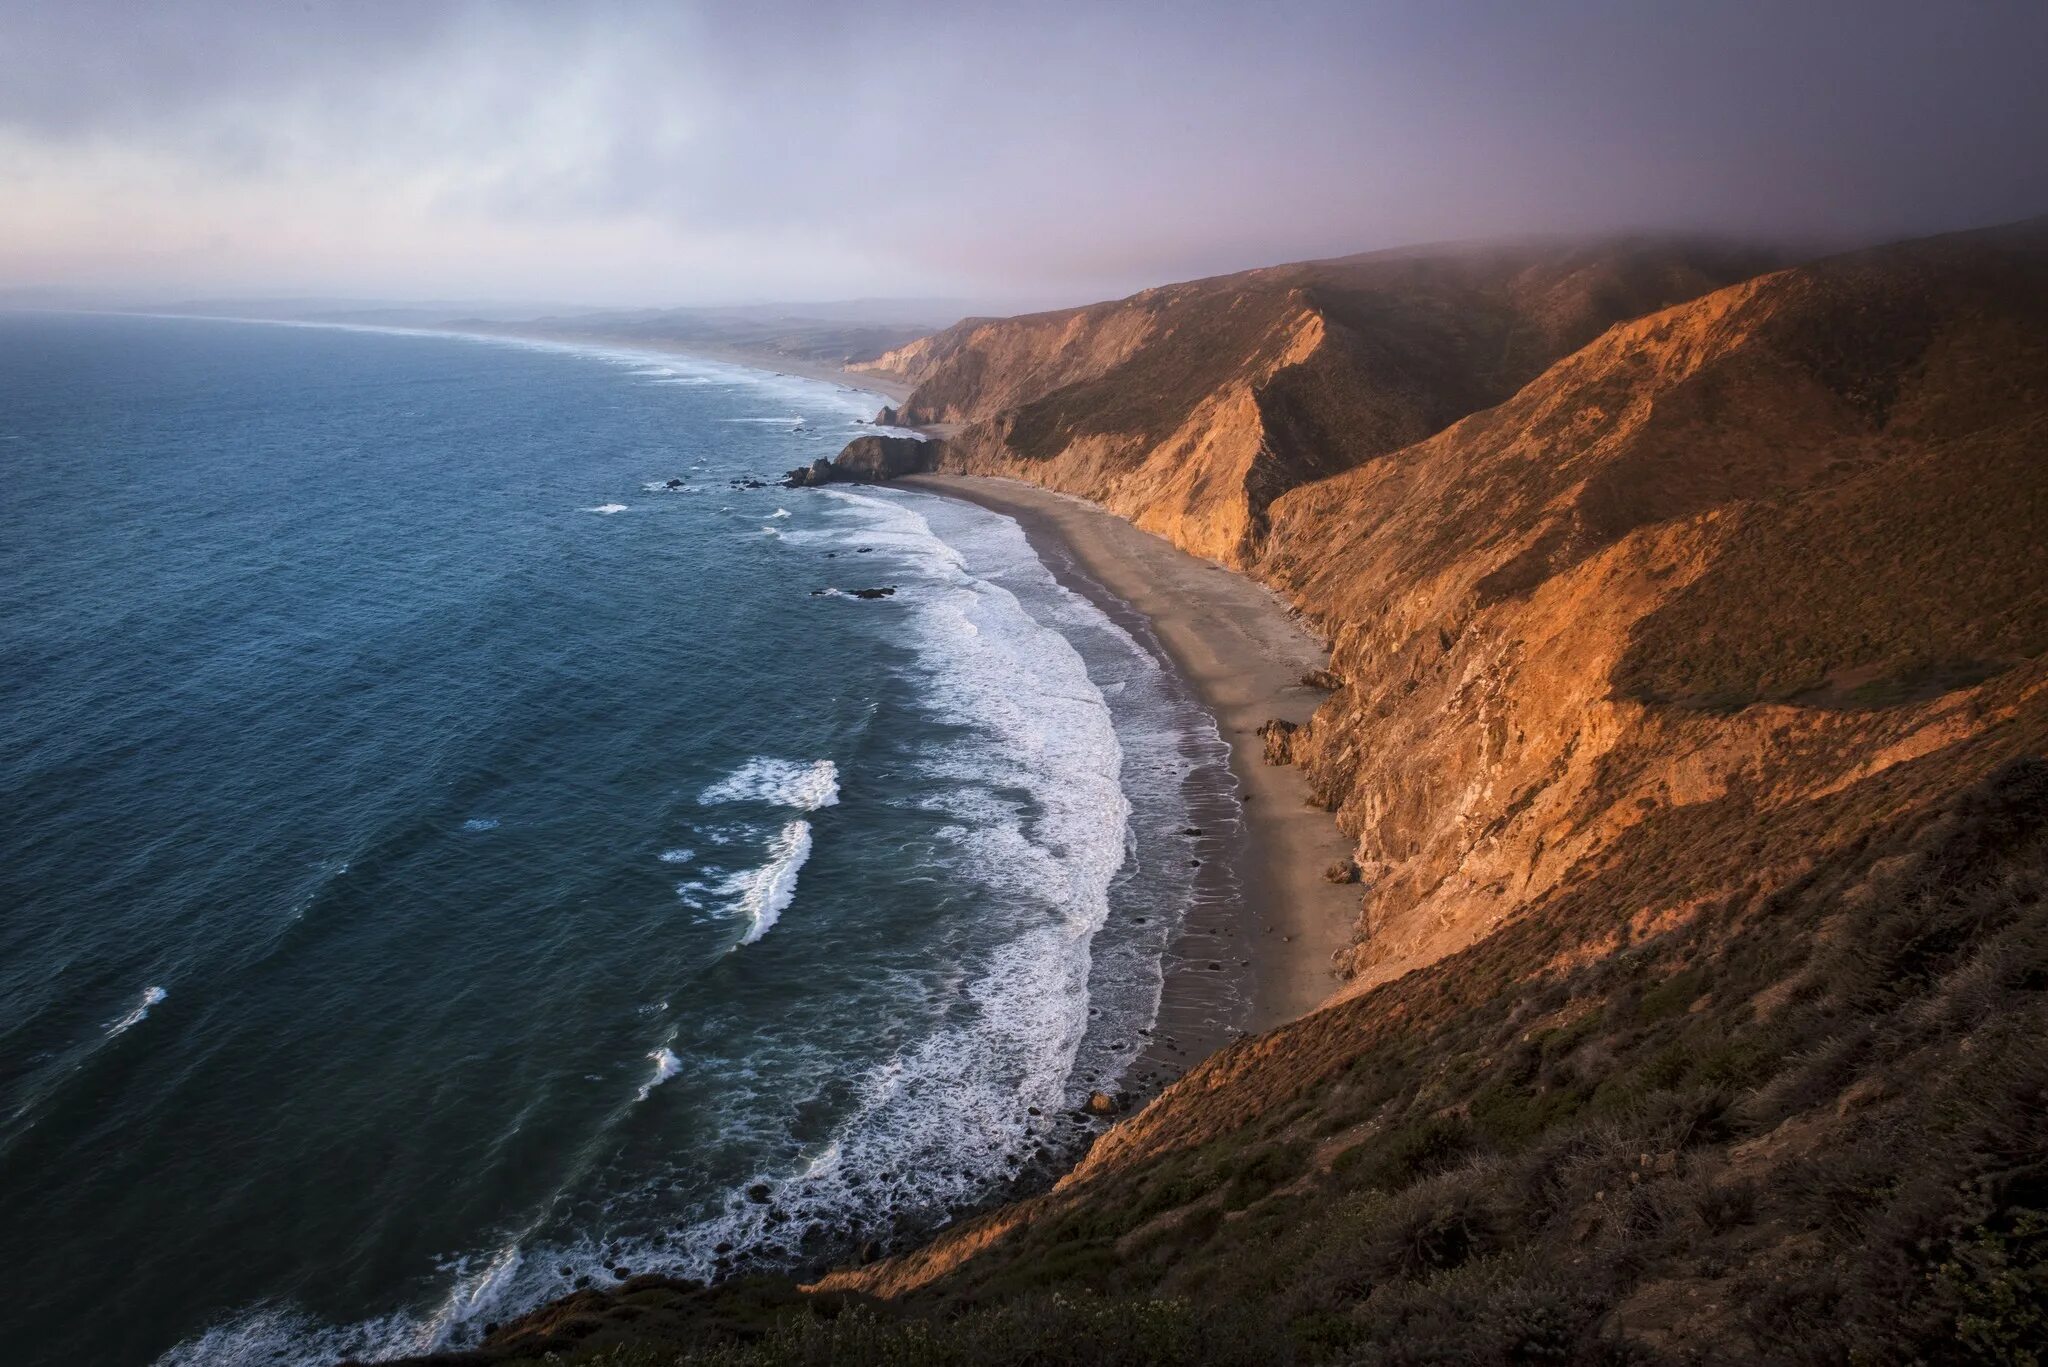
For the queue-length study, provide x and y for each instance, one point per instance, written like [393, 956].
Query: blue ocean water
[440, 864]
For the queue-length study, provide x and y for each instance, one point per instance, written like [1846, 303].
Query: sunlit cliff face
[642, 152]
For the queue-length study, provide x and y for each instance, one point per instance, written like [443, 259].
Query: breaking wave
[150, 997]
[765, 893]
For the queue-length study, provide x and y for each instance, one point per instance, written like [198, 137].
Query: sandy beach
[1242, 651]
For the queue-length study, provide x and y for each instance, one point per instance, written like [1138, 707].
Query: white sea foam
[780, 782]
[677, 856]
[780, 512]
[150, 997]
[607, 508]
[666, 1066]
[765, 893]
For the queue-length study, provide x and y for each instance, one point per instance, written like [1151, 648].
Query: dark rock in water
[867, 460]
[673, 484]
[566, 1270]
[1215, 967]
[809, 476]
[870, 1251]
[724, 1247]
[872, 593]
[1033, 1110]
[1102, 1103]
[886, 416]
[1191, 830]
[622, 1272]
[758, 1193]
[583, 1281]
[865, 550]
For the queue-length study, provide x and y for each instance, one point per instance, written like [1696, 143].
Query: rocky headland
[1686, 722]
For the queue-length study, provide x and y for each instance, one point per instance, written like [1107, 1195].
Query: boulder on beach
[1279, 737]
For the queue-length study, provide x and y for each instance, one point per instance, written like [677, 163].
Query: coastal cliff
[1689, 653]
[1189, 408]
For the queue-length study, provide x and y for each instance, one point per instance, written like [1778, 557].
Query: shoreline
[895, 391]
[1241, 652]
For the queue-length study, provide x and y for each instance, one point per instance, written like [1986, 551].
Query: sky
[626, 152]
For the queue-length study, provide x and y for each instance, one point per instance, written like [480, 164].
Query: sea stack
[868, 460]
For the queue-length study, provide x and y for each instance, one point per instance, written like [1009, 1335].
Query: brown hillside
[1191, 407]
[1694, 558]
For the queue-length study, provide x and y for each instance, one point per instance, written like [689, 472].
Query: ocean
[442, 865]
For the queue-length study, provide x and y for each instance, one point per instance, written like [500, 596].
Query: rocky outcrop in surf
[874, 459]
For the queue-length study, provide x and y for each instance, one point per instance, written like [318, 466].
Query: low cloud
[675, 153]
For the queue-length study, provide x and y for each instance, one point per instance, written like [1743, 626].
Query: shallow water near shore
[442, 862]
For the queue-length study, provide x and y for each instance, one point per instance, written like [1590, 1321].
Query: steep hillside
[1691, 727]
[1190, 408]
[1759, 543]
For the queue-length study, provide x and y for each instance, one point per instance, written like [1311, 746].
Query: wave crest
[779, 782]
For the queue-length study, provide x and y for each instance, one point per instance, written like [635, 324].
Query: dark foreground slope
[1692, 727]
[1190, 408]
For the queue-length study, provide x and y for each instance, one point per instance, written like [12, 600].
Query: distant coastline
[810, 369]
